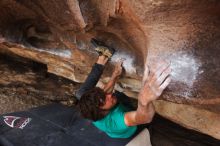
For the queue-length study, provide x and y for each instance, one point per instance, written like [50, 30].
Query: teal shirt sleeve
[114, 125]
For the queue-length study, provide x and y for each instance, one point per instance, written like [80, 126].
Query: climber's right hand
[158, 78]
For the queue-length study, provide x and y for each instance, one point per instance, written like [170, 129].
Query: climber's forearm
[109, 87]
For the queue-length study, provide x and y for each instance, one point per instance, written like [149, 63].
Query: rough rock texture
[187, 33]
[194, 118]
[26, 84]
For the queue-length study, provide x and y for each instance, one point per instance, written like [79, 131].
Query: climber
[103, 106]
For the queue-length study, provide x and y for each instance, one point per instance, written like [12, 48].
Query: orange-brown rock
[187, 33]
[26, 84]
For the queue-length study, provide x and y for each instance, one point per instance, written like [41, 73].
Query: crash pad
[52, 125]
[59, 125]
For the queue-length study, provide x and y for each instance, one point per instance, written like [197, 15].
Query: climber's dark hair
[90, 102]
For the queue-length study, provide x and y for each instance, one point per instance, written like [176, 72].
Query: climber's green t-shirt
[113, 124]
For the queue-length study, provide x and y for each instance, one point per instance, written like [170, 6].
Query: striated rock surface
[26, 84]
[187, 33]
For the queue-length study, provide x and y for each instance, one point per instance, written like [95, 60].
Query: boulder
[186, 33]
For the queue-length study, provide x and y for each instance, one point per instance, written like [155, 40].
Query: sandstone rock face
[26, 84]
[187, 33]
